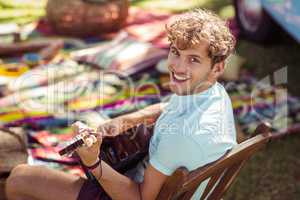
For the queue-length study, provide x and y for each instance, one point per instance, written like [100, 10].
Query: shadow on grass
[271, 174]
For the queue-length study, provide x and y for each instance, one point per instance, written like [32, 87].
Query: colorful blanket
[124, 55]
[92, 85]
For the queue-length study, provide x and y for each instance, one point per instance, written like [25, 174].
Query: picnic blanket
[98, 78]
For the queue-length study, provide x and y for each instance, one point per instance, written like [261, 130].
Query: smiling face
[200, 43]
[192, 70]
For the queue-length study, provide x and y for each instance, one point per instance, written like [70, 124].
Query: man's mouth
[179, 78]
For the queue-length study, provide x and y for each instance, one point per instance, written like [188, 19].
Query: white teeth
[180, 78]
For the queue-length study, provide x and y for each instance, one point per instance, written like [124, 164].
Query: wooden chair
[182, 184]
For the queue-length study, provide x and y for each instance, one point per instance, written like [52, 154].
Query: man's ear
[218, 69]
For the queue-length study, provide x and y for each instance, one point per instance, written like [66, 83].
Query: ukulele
[121, 152]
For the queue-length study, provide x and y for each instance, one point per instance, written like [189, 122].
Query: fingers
[89, 135]
[79, 128]
[108, 130]
[89, 152]
[79, 125]
[89, 140]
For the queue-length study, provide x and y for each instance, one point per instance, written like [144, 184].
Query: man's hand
[89, 153]
[112, 128]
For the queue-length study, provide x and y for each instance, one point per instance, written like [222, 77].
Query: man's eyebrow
[191, 55]
[173, 47]
[195, 55]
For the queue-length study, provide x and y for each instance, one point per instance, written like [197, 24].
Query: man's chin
[179, 91]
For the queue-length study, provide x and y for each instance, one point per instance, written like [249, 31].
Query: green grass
[23, 4]
[21, 12]
[12, 13]
[271, 174]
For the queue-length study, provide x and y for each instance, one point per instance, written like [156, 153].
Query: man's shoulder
[218, 98]
[218, 90]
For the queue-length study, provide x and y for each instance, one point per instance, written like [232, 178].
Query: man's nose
[179, 66]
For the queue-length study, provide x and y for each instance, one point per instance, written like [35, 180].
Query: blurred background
[90, 60]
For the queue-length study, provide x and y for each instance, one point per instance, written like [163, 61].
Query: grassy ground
[272, 174]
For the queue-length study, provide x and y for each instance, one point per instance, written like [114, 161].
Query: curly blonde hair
[190, 28]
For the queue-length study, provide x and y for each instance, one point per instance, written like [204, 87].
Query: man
[196, 127]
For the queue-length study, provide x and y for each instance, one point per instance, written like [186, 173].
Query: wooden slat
[225, 182]
[188, 195]
[172, 184]
[211, 184]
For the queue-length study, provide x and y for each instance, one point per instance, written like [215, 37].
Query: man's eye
[195, 60]
[173, 51]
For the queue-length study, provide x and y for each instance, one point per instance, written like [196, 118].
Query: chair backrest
[182, 184]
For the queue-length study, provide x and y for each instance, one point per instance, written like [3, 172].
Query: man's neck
[204, 86]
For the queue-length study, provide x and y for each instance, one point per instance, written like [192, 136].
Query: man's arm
[120, 187]
[122, 123]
